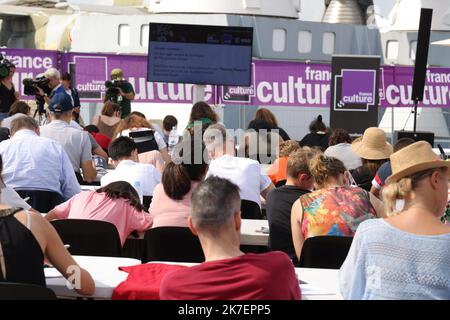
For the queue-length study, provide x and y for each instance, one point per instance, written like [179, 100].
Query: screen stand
[416, 101]
[199, 93]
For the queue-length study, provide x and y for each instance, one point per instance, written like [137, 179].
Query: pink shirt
[167, 212]
[97, 206]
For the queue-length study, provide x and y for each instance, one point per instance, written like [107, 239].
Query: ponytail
[392, 192]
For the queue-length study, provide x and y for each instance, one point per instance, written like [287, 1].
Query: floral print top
[336, 211]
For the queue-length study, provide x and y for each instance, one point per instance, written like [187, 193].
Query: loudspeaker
[423, 42]
[416, 136]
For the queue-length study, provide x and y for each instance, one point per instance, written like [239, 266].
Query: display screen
[198, 54]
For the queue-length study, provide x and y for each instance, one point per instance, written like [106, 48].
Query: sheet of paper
[308, 289]
[52, 273]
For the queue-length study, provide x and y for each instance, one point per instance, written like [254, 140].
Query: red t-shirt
[267, 276]
[102, 140]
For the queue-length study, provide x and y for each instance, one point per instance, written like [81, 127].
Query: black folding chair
[147, 201]
[42, 201]
[325, 252]
[21, 291]
[176, 244]
[89, 237]
[4, 134]
[250, 210]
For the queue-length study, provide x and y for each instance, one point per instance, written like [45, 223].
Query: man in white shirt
[246, 173]
[340, 147]
[143, 177]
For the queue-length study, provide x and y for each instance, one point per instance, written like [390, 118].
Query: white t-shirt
[11, 198]
[143, 177]
[344, 152]
[246, 173]
[158, 137]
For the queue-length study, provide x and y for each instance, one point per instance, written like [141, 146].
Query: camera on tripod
[31, 89]
[112, 90]
[5, 65]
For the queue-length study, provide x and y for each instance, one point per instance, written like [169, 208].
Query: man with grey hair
[227, 273]
[54, 78]
[37, 167]
[246, 173]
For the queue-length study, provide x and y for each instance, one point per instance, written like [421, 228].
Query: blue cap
[60, 102]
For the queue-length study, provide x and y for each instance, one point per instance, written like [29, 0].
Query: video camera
[5, 65]
[112, 89]
[30, 89]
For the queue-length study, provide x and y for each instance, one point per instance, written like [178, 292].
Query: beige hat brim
[417, 168]
[372, 154]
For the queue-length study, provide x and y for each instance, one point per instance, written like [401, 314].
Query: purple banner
[92, 70]
[299, 84]
[281, 83]
[29, 63]
[396, 85]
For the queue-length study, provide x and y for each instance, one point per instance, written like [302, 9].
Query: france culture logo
[240, 94]
[354, 90]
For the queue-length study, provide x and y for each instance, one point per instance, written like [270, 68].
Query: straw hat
[414, 158]
[372, 145]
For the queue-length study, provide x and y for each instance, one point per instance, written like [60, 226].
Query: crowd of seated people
[350, 190]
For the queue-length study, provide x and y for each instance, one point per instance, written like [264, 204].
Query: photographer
[54, 84]
[120, 91]
[8, 94]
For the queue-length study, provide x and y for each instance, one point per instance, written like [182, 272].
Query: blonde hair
[403, 189]
[132, 121]
[322, 168]
[298, 162]
[288, 147]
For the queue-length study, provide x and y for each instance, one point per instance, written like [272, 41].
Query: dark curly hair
[339, 136]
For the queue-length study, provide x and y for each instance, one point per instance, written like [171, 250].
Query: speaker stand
[415, 115]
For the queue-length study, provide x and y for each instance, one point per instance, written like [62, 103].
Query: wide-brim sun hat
[414, 158]
[373, 145]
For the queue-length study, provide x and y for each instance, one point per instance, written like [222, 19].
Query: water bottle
[173, 139]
